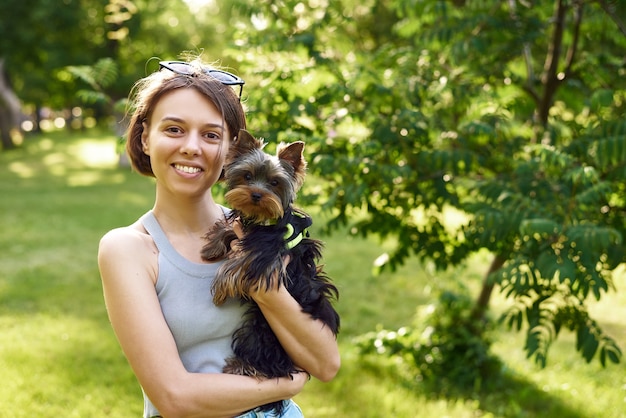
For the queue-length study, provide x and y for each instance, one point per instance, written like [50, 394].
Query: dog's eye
[247, 176]
[274, 183]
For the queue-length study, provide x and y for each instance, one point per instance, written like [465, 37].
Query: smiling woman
[175, 338]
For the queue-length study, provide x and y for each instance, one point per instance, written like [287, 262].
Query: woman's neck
[185, 223]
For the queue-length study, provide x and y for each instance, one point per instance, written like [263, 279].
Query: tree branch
[549, 78]
[482, 303]
[571, 53]
[610, 9]
[530, 73]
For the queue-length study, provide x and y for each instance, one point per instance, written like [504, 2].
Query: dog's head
[262, 186]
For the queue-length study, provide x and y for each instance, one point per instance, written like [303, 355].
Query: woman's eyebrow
[179, 120]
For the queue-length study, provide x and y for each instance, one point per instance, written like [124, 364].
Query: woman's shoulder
[132, 238]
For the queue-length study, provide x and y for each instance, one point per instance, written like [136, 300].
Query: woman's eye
[173, 130]
[212, 136]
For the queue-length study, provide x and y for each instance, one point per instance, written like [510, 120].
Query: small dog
[276, 248]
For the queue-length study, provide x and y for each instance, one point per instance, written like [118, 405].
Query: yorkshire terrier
[276, 249]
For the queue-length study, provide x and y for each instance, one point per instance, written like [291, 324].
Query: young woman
[156, 286]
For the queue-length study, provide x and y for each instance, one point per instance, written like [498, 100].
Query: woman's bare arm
[128, 264]
[309, 342]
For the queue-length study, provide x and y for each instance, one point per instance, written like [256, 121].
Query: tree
[34, 42]
[9, 109]
[506, 111]
[36, 47]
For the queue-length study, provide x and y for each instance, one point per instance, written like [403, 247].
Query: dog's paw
[219, 241]
[214, 251]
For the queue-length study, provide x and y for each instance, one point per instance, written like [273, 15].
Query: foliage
[505, 111]
[447, 348]
[562, 253]
[35, 44]
[98, 77]
[34, 41]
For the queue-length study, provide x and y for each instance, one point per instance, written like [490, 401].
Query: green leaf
[602, 98]
[593, 237]
[589, 347]
[547, 264]
[542, 227]
[613, 353]
[567, 269]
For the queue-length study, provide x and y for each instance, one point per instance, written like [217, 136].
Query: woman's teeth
[186, 169]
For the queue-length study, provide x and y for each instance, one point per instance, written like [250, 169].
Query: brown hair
[148, 91]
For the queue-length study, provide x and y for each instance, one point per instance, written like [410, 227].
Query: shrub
[446, 349]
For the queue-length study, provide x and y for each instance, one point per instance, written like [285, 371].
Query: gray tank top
[202, 331]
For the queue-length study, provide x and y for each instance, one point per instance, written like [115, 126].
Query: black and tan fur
[276, 248]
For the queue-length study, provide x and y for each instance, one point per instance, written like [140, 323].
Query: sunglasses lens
[178, 67]
[223, 77]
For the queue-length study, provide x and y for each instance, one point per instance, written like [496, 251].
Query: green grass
[58, 356]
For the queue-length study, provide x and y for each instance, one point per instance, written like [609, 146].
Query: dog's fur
[275, 249]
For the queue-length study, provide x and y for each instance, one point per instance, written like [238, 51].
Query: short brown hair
[148, 91]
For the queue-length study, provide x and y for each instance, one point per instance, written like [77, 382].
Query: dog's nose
[256, 196]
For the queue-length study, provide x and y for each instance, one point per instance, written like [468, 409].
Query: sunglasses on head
[185, 68]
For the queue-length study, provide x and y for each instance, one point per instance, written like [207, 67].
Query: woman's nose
[191, 144]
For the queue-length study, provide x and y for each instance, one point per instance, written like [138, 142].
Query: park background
[467, 173]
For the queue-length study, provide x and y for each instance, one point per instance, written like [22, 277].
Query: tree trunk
[10, 109]
[482, 303]
[5, 128]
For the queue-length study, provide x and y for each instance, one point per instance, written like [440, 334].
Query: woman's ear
[144, 138]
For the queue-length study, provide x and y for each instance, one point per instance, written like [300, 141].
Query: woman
[156, 286]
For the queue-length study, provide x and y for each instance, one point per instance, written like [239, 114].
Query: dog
[276, 249]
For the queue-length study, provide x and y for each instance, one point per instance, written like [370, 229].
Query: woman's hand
[298, 380]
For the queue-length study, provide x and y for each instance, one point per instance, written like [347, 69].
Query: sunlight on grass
[95, 154]
[75, 161]
[612, 308]
[21, 169]
[583, 387]
[62, 366]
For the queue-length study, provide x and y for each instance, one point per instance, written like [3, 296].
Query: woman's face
[187, 140]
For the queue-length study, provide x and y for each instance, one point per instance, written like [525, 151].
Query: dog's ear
[245, 142]
[293, 154]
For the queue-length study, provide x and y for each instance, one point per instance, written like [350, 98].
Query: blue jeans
[292, 410]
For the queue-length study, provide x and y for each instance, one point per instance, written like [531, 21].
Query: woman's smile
[187, 169]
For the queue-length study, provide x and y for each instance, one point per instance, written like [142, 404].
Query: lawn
[58, 356]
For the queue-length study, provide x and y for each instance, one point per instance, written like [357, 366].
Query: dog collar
[268, 222]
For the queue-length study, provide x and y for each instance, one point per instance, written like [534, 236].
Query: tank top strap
[149, 221]
[167, 250]
[151, 224]
[168, 256]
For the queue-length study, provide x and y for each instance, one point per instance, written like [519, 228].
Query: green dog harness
[297, 229]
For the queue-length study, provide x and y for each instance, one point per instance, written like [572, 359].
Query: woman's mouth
[187, 169]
